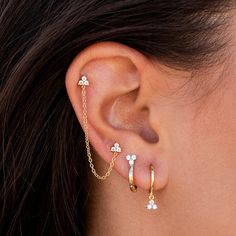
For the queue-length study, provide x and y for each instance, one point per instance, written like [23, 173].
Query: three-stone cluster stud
[131, 159]
[116, 148]
[83, 81]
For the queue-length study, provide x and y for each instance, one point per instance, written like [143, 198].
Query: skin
[183, 123]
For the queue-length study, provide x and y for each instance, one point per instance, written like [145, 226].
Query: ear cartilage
[84, 83]
[151, 205]
[131, 159]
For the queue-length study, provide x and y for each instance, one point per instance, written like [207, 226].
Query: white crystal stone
[154, 207]
[131, 162]
[151, 202]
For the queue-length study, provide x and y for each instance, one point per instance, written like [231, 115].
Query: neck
[114, 210]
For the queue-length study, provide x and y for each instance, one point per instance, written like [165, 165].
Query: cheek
[202, 159]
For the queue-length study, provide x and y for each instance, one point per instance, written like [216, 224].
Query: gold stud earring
[151, 205]
[116, 149]
[131, 159]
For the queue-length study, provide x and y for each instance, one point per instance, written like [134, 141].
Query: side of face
[183, 123]
[198, 127]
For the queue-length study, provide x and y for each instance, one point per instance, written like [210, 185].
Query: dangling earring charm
[131, 159]
[116, 149]
[151, 205]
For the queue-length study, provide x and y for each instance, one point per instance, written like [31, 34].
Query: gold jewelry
[83, 82]
[131, 159]
[151, 205]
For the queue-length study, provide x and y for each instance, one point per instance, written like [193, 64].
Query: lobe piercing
[151, 205]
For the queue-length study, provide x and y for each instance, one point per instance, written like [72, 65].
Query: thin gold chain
[90, 160]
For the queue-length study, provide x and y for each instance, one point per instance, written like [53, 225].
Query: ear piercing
[115, 149]
[131, 159]
[83, 82]
[152, 205]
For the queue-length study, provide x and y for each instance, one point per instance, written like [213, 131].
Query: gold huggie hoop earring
[83, 82]
[152, 205]
[131, 159]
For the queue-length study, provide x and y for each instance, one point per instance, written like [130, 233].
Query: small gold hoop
[152, 182]
[132, 186]
[152, 205]
[131, 159]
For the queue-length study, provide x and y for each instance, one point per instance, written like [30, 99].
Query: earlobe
[117, 108]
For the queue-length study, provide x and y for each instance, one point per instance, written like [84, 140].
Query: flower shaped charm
[131, 159]
[83, 81]
[151, 205]
[116, 148]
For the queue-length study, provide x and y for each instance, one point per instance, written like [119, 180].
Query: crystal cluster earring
[131, 158]
[115, 149]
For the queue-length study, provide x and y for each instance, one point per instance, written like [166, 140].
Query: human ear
[119, 108]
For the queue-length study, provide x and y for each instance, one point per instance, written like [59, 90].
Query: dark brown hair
[43, 169]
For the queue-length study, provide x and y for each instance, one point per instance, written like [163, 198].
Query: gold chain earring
[151, 205]
[83, 82]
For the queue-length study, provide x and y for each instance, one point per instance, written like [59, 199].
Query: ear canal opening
[127, 117]
[146, 131]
